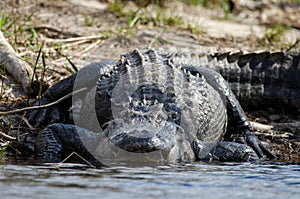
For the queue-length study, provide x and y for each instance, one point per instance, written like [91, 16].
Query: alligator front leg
[239, 128]
[57, 141]
[56, 113]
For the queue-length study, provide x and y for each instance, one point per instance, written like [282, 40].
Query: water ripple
[184, 181]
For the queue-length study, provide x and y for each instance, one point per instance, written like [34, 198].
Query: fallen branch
[17, 67]
[278, 130]
[293, 127]
[262, 127]
[43, 106]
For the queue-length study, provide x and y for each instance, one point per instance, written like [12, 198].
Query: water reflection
[185, 181]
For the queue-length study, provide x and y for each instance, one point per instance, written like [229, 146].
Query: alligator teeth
[105, 76]
[127, 66]
[144, 100]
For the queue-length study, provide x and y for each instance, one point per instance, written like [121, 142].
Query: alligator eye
[194, 73]
[174, 116]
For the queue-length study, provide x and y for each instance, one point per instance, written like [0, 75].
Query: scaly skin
[257, 79]
[150, 99]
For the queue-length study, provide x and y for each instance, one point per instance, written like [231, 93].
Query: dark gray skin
[181, 108]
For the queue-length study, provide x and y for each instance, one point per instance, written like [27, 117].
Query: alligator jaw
[142, 137]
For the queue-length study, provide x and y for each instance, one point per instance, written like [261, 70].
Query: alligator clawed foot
[231, 152]
[257, 146]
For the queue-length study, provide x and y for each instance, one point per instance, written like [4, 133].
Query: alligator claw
[257, 146]
[266, 151]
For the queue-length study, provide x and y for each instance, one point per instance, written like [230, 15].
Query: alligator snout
[142, 137]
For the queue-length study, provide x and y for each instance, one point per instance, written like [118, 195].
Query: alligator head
[152, 107]
[147, 126]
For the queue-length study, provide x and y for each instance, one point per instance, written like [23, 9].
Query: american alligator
[158, 105]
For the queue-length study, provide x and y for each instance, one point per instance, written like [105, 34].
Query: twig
[90, 47]
[75, 43]
[74, 153]
[274, 134]
[52, 29]
[157, 36]
[3, 143]
[27, 123]
[7, 137]
[294, 45]
[73, 39]
[43, 106]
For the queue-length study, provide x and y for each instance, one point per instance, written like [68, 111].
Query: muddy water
[188, 181]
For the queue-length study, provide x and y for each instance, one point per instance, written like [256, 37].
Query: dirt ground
[58, 37]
